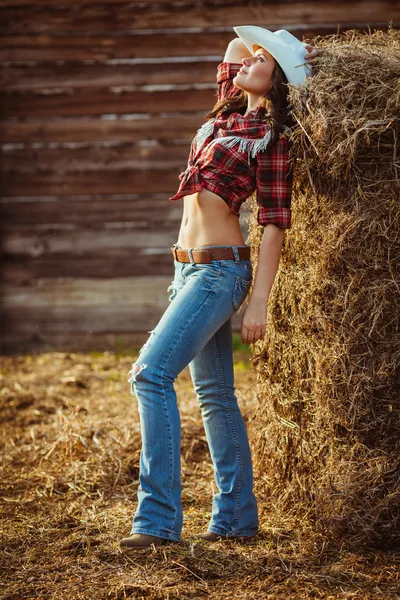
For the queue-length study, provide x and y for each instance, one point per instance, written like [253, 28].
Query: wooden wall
[99, 101]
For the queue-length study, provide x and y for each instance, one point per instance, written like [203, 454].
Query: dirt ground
[69, 476]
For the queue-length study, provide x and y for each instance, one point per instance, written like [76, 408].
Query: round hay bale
[326, 434]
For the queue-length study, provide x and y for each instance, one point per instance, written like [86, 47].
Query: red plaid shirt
[234, 174]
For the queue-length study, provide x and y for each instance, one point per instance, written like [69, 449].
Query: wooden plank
[121, 17]
[93, 182]
[47, 47]
[55, 239]
[85, 157]
[91, 211]
[73, 76]
[146, 4]
[105, 265]
[94, 320]
[63, 304]
[102, 101]
[69, 293]
[85, 130]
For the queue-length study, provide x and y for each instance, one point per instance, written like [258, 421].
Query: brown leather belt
[206, 255]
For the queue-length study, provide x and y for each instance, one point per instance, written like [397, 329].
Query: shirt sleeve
[226, 71]
[274, 179]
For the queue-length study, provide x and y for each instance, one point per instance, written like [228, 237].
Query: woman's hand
[311, 55]
[253, 322]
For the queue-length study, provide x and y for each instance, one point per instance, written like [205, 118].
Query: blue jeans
[195, 330]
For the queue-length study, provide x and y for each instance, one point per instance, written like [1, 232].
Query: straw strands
[326, 433]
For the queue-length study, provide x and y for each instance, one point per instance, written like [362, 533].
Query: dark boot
[140, 541]
[210, 536]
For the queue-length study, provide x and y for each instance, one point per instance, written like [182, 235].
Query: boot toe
[210, 536]
[140, 541]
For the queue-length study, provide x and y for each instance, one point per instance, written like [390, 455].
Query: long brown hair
[275, 102]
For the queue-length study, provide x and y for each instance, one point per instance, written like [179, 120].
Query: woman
[238, 150]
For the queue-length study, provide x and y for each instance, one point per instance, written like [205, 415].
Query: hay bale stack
[326, 434]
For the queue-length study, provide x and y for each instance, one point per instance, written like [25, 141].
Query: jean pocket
[240, 291]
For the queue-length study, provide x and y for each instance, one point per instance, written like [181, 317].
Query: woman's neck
[252, 102]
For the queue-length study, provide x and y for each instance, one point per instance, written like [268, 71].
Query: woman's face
[255, 75]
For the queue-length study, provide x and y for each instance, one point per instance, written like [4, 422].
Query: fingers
[250, 336]
[262, 332]
[312, 52]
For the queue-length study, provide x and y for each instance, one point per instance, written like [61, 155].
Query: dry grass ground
[69, 471]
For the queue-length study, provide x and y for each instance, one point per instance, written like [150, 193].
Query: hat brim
[291, 61]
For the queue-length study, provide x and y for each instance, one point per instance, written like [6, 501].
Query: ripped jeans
[195, 330]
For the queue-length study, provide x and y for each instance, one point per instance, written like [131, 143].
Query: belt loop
[191, 256]
[235, 253]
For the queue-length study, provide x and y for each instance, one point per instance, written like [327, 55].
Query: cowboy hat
[286, 49]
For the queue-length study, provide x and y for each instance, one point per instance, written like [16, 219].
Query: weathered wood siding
[99, 101]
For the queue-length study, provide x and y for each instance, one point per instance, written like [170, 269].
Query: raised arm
[235, 51]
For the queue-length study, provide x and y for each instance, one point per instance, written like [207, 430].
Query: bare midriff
[208, 221]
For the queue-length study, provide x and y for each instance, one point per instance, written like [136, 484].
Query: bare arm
[254, 317]
[236, 50]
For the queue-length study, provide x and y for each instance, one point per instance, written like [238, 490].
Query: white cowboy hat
[287, 50]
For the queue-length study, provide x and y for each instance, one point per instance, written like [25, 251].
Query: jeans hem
[156, 533]
[244, 533]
